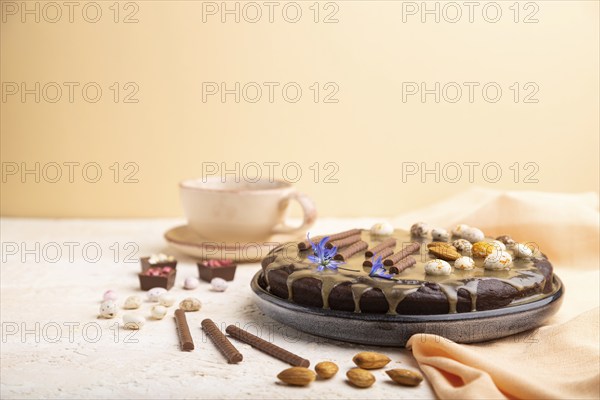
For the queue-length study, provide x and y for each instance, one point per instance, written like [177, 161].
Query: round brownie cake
[415, 274]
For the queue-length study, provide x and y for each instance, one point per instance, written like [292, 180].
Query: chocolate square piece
[157, 262]
[210, 269]
[157, 277]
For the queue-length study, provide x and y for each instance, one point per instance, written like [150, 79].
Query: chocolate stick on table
[266, 347]
[408, 250]
[232, 354]
[403, 264]
[185, 337]
[343, 242]
[306, 244]
[351, 250]
[383, 254]
[390, 242]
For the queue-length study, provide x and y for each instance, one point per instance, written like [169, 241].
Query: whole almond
[297, 376]
[447, 253]
[360, 377]
[405, 377]
[326, 369]
[371, 360]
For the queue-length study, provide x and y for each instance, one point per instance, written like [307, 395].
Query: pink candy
[217, 263]
[110, 295]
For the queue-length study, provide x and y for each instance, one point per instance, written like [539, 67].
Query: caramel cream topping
[523, 274]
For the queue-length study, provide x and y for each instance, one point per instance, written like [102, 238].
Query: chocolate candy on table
[210, 269]
[157, 277]
[160, 260]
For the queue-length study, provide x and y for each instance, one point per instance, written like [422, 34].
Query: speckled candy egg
[521, 250]
[463, 246]
[190, 304]
[439, 235]
[420, 229]
[438, 267]
[484, 249]
[133, 321]
[459, 229]
[108, 309]
[154, 294]
[218, 284]
[498, 244]
[473, 235]
[110, 295]
[191, 283]
[166, 300]
[158, 312]
[506, 239]
[464, 263]
[498, 261]
[382, 229]
[132, 302]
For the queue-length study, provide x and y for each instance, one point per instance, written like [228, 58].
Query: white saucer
[183, 239]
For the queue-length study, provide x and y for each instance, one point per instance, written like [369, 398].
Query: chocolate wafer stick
[390, 242]
[306, 244]
[266, 347]
[232, 354]
[343, 242]
[185, 337]
[351, 250]
[403, 264]
[408, 250]
[383, 254]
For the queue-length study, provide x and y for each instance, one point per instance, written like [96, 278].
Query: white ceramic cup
[241, 211]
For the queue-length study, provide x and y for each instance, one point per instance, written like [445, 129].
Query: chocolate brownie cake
[487, 273]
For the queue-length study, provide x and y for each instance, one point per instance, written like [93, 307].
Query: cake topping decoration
[378, 271]
[403, 264]
[438, 267]
[387, 243]
[440, 235]
[382, 229]
[384, 253]
[464, 263]
[506, 239]
[351, 250]
[472, 234]
[521, 250]
[343, 242]
[420, 229]
[498, 261]
[463, 246]
[323, 257]
[305, 245]
[405, 252]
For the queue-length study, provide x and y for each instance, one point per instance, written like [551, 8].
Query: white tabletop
[54, 346]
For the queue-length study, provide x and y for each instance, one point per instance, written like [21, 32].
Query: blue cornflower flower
[377, 270]
[323, 256]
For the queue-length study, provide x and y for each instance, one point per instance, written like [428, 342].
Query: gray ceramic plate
[395, 330]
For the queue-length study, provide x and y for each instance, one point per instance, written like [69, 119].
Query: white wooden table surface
[53, 345]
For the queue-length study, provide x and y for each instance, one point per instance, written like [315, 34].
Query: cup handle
[309, 211]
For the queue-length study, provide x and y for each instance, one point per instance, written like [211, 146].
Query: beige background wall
[366, 136]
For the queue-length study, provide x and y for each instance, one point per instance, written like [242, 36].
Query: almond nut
[297, 376]
[360, 377]
[444, 252]
[371, 360]
[405, 377]
[326, 369]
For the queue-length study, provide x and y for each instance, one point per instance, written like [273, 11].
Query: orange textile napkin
[554, 361]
